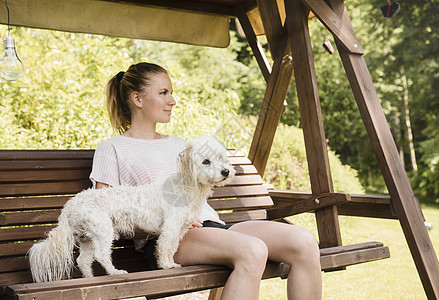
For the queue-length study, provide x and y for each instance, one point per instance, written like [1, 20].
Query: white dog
[95, 217]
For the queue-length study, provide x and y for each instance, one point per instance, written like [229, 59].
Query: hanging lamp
[11, 67]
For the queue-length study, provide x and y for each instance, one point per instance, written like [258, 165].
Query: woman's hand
[196, 224]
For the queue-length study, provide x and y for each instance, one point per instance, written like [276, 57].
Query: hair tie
[119, 75]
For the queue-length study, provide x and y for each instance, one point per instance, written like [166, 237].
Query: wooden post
[277, 86]
[406, 205]
[311, 118]
[272, 27]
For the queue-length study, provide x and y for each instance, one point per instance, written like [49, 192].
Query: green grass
[392, 278]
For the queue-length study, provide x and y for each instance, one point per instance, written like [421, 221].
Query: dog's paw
[170, 266]
[118, 272]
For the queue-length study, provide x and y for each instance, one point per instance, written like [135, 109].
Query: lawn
[393, 278]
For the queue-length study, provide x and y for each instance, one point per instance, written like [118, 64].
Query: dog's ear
[186, 164]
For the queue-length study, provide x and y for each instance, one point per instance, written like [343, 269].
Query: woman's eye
[206, 162]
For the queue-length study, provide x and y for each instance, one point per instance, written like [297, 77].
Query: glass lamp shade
[11, 67]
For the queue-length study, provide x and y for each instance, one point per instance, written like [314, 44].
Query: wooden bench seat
[35, 184]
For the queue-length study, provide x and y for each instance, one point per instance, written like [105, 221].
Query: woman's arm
[100, 185]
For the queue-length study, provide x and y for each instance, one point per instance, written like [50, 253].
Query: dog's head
[205, 161]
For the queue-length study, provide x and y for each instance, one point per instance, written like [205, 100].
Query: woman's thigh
[282, 240]
[214, 246]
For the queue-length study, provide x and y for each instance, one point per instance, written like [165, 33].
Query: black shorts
[149, 248]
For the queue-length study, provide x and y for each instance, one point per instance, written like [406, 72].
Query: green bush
[59, 101]
[287, 166]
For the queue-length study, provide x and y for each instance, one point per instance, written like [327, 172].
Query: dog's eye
[206, 162]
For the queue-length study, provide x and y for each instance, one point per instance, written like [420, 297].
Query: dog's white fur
[95, 217]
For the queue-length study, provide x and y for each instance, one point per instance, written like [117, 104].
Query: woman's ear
[136, 99]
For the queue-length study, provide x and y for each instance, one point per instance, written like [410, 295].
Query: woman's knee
[252, 257]
[303, 245]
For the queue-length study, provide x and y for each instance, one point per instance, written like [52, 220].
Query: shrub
[287, 166]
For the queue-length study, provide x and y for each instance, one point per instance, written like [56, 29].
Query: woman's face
[157, 100]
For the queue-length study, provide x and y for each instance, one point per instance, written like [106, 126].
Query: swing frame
[285, 25]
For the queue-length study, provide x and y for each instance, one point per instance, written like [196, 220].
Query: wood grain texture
[312, 121]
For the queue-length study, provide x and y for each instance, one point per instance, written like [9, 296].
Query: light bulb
[11, 66]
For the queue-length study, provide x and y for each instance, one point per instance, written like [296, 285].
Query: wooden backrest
[35, 184]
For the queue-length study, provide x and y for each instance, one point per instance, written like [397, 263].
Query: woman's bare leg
[246, 255]
[297, 247]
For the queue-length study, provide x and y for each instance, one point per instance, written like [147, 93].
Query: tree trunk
[408, 123]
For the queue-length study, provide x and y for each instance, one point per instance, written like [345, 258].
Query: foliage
[58, 102]
[426, 181]
[287, 166]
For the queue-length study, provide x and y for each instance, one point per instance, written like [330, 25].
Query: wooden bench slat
[23, 233]
[246, 180]
[26, 203]
[243, 169]
[19, 249]
[344, 259]
[242, 203]
[20, 263]
[11, 176]
[29, 217]
[350, 248]
[44, 188]
[13, 264]
[234, 152]
[45, 154]
[231, 192]
[242, 160]
[11, 249]
[15, 277]
[236, 217]
[67, 154]
[45, 164]
[44, 175]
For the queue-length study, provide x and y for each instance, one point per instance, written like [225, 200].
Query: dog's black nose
[225, 172]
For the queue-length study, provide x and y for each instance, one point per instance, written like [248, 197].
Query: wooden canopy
[205, 22]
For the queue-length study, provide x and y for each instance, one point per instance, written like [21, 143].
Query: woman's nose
[172, 102]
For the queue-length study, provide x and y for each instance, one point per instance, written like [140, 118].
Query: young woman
[137, 100]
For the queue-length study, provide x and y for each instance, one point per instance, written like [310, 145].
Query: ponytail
[119, 89]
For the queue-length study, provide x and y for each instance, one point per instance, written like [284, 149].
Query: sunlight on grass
[393, 278]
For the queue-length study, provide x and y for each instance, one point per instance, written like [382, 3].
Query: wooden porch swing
[31, 192]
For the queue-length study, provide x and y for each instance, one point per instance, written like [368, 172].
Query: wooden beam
[335, 25]
[311, 118]
[312, 203]
[253, 41]
[272, 27]
[271, 110]
[372, 206]
[406, 205]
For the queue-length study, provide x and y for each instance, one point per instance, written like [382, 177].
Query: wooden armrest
[309, 204]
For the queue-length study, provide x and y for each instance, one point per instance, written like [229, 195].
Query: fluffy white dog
[95, 217]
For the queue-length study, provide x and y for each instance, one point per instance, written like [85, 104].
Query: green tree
[59, 101]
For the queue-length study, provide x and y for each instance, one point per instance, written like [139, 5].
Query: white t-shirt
[122, 160]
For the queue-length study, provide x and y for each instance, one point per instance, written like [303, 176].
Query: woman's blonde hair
[119, 88]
